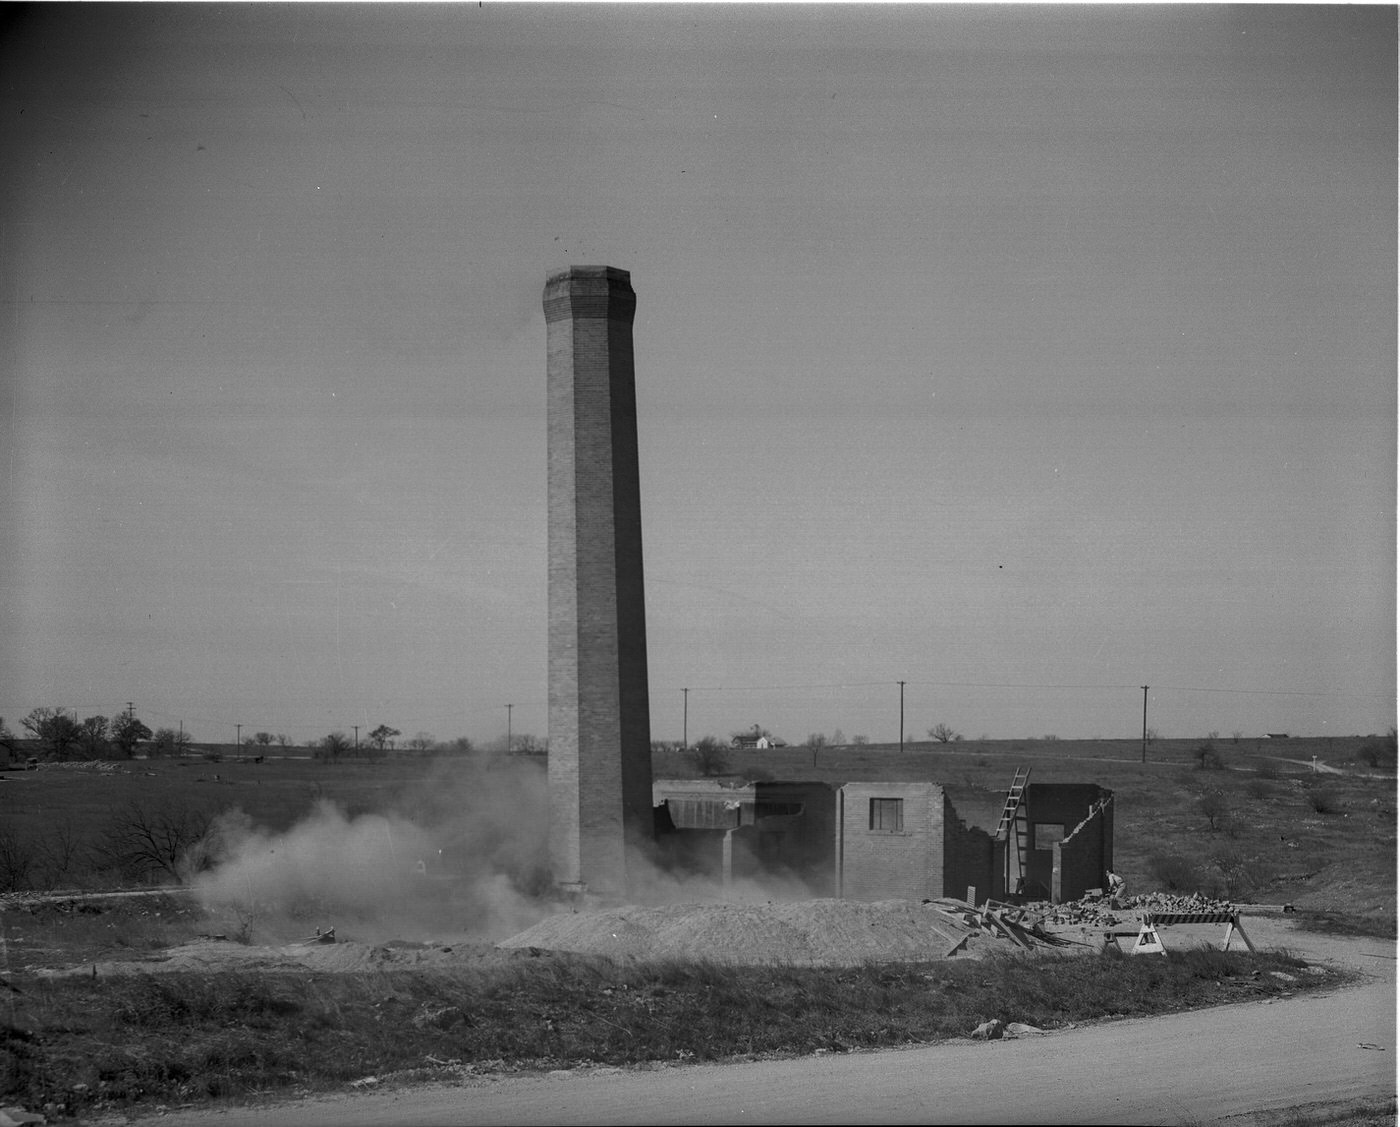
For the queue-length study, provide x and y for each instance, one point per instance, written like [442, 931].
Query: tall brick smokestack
[599, 718]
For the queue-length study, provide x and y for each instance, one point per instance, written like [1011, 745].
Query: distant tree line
[56, 734]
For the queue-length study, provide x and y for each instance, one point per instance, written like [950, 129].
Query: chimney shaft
[599, 723]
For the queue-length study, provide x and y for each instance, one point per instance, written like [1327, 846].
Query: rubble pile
[1098, 911]
[1085, 913]
[1167, 902]
[1001, 921]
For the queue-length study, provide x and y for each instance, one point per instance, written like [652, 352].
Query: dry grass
[83, 1044]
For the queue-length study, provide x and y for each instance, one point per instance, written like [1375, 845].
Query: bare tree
[423, 742]
[60, 850]
[169, 741]
[147, 843]
[19, 856]
[127, 731]
[943, 733]
[7, 738]
[333, 746]
[92, 736]
[54, 728]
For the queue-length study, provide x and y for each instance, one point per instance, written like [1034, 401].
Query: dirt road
[1185, 1068]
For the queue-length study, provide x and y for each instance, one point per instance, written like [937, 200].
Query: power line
[1026, 685]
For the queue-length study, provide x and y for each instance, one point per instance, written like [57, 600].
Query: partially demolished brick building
[883, 840]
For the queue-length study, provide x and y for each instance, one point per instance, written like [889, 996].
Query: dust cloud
[461, 853]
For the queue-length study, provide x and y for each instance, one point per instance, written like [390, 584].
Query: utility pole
[901, 717]
[1144, 723]
[685, 718]
[508, 710]
[238, 735]
[357, 738]
[130, 709]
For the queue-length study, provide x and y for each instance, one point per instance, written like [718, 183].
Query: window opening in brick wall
[887, 815]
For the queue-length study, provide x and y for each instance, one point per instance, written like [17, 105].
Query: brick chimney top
[611, 273]
[589, 292]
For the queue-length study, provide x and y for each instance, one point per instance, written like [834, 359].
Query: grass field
[1256, 823]
[1270, 830]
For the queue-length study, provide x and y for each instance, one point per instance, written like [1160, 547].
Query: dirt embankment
[801, 933]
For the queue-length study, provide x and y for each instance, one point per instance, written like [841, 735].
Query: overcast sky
[1024, 355]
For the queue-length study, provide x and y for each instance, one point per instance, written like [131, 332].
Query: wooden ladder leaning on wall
[1012, 830]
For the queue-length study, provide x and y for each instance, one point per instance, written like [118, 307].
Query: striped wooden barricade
[1149, 942]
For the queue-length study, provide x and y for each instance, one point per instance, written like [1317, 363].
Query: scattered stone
[365, 1082]
[1020, 1029]
[989, 1030]
[18, 1117]
[438, 1017]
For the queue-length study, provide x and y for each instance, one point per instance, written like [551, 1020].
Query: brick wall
[884, 865]
[1082, 860]
[967, 857]
[1063, 805]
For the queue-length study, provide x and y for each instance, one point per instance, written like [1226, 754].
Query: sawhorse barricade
[1149, 941]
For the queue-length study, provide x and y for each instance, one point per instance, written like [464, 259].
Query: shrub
[1174, 872]
[1239, 876]
[710, 757]
[1215, 807]
[1323, 799]
[1378, 751]
[1207, 758]
[1259, 788]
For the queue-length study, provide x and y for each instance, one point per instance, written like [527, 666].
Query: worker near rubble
[1115, 886]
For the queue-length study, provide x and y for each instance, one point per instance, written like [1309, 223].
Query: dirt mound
[802, 933]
